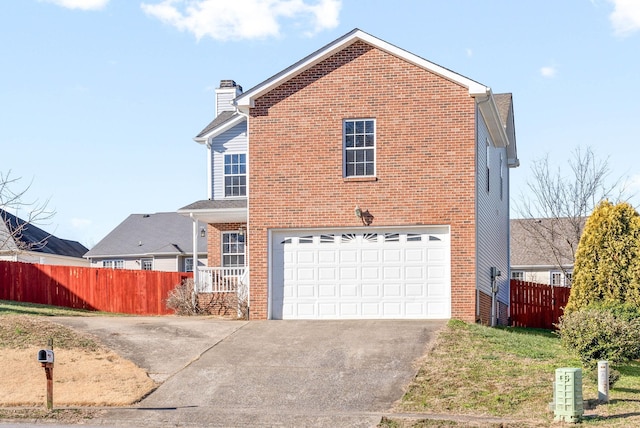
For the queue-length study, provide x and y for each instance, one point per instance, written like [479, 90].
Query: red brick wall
[425, 159]
[214, 241]
[484, 317]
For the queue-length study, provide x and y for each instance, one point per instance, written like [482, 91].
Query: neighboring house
[543, 250]
[21, 241]
[362, 182]
[161, 241]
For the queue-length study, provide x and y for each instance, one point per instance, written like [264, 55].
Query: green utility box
[569, 406]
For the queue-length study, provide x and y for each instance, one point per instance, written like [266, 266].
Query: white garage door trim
[361, 273]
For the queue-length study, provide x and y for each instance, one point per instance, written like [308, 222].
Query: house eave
[217, 215]
[206, 138]
[247, 99]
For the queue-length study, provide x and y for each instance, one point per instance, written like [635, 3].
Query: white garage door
[361, 274]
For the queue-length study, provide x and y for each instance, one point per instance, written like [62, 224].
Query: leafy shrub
[625, 311]
[596, 334]
[614, 376]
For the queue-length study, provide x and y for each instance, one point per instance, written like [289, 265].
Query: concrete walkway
[264, 373]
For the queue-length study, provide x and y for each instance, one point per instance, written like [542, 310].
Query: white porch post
[196, 225]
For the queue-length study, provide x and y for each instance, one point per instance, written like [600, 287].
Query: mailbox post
[46, 358]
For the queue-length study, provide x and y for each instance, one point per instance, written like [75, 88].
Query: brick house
[363, 181]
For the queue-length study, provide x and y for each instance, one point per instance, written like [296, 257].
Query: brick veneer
[425, 128]
[214, 240]
[484, 317]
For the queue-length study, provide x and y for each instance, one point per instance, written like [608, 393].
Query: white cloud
[625, 17]
[80, 4]
[244, 19]
[548, 71]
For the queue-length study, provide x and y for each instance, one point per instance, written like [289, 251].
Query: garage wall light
[365, 216]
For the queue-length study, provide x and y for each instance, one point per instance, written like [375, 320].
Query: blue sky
[100, 99]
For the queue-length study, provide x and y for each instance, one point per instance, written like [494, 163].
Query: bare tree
[31, 212]
[557, 202]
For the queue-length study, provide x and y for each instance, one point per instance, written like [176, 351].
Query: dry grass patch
[85, 372]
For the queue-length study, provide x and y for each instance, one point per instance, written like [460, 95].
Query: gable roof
[482, 94]
[34, 239]
[247, 98]
[224, 121]
[531, 249]
[147, 235]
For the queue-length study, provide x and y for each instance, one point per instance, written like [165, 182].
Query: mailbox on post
[45, 356]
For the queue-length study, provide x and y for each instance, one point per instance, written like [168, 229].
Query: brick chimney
[225, 94]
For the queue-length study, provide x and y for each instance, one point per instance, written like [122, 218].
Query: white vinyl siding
[232, 141]
[492, 214]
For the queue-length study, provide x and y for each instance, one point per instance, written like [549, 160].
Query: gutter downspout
[247, 248]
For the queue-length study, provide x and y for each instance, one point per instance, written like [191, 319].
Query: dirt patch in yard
[85, 372]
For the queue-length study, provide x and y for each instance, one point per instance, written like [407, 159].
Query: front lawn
[474, 370]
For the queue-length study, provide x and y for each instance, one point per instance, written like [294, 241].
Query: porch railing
[222, 279]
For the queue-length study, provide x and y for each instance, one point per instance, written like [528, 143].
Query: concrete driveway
[264, 373]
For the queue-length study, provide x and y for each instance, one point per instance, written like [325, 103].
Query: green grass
[507, 373]
[8, 307]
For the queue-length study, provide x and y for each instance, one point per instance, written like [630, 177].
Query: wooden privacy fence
[537, 305]
[111, 290]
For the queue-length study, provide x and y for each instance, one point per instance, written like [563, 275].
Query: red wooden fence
[110, 290]
[537, 305]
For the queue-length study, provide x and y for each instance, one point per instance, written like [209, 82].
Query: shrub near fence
[110, 290]
[537, 305]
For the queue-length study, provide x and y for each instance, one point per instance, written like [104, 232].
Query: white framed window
[517, 274]
[233, 249]
[501, 175]
[235, 174]
[359, 147]
[558, 279]
[146, 264]
[188, 264]
[488, 166]
[113, 264]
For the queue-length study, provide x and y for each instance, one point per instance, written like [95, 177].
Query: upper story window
[235, 174]
[501, 176]
[488, 171]
[359, 148]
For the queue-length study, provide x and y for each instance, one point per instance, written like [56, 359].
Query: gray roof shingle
[503, 102]
[36, 239]
[220, 120]
[530, 249]
[209, 204]
[149, 234]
